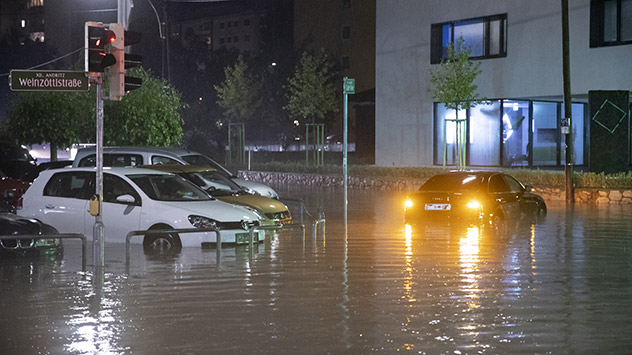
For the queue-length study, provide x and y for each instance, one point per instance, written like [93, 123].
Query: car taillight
[19, 204]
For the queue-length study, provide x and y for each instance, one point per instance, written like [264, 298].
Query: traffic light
[120, 84]
[98, 40]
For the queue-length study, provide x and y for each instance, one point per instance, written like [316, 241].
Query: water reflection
[558, 287]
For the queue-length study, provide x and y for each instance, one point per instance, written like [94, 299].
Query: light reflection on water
[562, 286]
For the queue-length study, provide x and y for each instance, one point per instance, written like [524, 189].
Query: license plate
[242, 238]
[438, 206]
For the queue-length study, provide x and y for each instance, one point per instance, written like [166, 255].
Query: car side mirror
[127, 199]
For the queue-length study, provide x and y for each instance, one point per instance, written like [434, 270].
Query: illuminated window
[485, 36]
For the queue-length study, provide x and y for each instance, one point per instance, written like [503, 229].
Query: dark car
[14, 225]
[16, 161]
[484, 197]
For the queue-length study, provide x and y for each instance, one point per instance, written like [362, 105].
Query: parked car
[45, 166]
[135, 156]
[223, 188]
[486, 197]
[10, 191]
[14, 225]
[136, 199]
[15, 160]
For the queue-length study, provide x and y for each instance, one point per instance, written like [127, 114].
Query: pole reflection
[94, 319]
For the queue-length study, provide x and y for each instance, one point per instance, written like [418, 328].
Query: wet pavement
[562, 287]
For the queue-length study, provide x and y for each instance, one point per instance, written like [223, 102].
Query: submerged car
[135, 156]
[136, 199]
[485, 197]
[14, 225]
[223, 188]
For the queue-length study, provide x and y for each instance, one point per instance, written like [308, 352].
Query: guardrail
[320, 221]
[56, 236]
[132, 234]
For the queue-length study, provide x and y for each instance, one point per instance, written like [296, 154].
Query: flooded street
[563, 287]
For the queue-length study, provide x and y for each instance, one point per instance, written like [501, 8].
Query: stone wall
[407, 185]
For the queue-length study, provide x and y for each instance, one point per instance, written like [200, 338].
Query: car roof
[482, 173]
[116, 170]
[178, 168]
[142, 149]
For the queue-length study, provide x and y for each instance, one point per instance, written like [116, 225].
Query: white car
[135, 199]
[135, 156]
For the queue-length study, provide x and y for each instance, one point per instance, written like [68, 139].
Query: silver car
[136, 155]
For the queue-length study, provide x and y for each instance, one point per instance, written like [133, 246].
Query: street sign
[349, 86]
[48, 80]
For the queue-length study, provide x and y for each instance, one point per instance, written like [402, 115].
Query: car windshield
[202, 160]
[164, 187]
[215, 183]
[453, 183]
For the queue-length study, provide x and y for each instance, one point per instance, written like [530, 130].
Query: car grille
[13, 244]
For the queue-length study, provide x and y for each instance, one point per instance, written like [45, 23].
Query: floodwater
[562, 287]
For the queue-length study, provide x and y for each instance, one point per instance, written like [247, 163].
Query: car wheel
[496, 224]
[540, 212]
[162, 243]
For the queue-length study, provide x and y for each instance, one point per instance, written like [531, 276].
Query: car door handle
[50, 207]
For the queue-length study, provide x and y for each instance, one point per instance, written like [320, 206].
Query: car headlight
[202, 222]
[474, 205]
[256, 212]
[250, 191]
[246, 225]
[47, 242]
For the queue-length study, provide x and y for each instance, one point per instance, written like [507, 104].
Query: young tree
[453, 82]
[239, 94]
[311, 93]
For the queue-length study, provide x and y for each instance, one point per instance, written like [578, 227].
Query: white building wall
[532, 68]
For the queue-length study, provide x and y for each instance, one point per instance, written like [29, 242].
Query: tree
[149, 115]
[60, 119]
[453, 82]
[311, 92]
[239, 93]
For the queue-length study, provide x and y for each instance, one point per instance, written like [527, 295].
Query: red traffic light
[108, 37]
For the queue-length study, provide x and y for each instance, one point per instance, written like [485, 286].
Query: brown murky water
[563, 286]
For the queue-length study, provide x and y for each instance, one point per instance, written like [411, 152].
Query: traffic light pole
[98, 229]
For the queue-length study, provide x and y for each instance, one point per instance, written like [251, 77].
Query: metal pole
[345, 152]
[98, 229]
[568, 169]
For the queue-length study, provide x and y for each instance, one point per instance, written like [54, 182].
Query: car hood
[261, 203]
[11, 224]
[262, 189]
[215, 209]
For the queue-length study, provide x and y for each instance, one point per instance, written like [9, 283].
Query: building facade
[345, 29]
[519, 47]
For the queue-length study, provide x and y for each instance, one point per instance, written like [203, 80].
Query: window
[114, 186]
[247, 22]
[221, 25]
[159, 159]
[485, 36]
[509, 133]
[346, 32]
[113, 159]
[345, 62]
[79, 184]
[610, 22]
